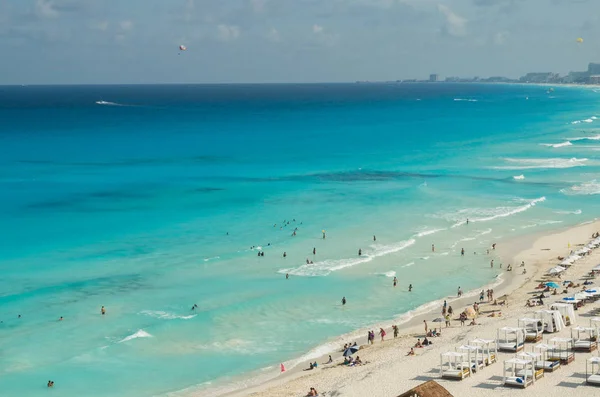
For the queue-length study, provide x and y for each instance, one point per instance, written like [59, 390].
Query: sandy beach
[390, 372]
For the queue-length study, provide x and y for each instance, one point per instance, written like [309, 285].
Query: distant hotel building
[434, 77]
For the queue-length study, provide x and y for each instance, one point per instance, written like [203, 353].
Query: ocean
[148, 200]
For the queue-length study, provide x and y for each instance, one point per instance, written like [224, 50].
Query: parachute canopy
[182, 48]
[579, 40]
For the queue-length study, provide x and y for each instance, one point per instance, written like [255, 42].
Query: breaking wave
[519, 177]
[326, 267]
[576, 212]
[166, 315]
[526, 164]
[583, 189]
[139, 334]
[488, 214]
[557, 145]
[590, 120]
[464, 100]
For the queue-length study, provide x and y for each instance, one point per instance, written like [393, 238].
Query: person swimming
[287, 276]
[314, 251]
[284, 254]
[395, 281]
[194, 307]
[50, 383]
[374, 238]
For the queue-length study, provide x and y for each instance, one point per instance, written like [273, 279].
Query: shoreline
[411, 323]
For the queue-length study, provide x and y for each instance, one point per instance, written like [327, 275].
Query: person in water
[50, 383]
[359, 252]
[102, 310]
[432, 248]
[314, 251]
[374, 238]
[395, 281]
[409, 287]
[343, 301]
[287, 276]
[284, 254]
[462, 252]
[194, 307]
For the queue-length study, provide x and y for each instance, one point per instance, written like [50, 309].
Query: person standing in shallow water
[314, 251]
[344, 301]
[432, 248]
[409, 287]
[395, 281]
[103, 310]
[374, 238]
[359, 252]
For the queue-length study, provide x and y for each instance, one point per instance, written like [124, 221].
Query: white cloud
[45, 9]
[274, 35]
[228, 32]
[456, 25]
[126, 24]
[317, 29]
[102, 25]
[500, 38]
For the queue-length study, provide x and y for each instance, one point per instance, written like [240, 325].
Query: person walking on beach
[425, 322]
[102, 311]
[447, 318]
[382, 333]
[459, 292]
[481, 296]
[450, 311]
[344, 301]
[395, 328]
[395, 281]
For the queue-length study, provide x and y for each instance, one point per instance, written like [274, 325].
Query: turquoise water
[149, 202]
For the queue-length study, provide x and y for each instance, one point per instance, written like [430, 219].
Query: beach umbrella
[350, 351]
[552, 284]
[470, 312]
[556, 270]
[438, 320]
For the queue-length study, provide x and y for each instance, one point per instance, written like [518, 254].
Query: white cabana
[545, 363]
[454, 365]
[566, 311]
[533, 329]
[536, 357]
[584, 339]
[596, 268]
[510, 339]
[475, 357]
[518, 373]
[488, 348]
[562, 351]
[592, 371]
[552, 320]
[556, 270]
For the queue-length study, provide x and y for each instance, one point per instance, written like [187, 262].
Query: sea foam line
[326, 267]
[139, 334]
[526, 164]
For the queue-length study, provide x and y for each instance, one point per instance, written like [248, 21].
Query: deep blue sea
[149, 199]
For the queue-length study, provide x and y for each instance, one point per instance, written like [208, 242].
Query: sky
[255, 41]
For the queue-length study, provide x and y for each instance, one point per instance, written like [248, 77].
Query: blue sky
[228, 41]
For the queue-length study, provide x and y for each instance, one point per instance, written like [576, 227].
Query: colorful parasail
[579, 40]
[182, 48]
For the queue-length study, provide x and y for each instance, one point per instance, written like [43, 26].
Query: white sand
[391, 372]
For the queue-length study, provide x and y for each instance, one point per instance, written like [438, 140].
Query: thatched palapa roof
[428, 389]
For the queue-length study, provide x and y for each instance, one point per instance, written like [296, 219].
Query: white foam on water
[527, 164]
[139, 334]
[557, 145]
[576, 212]
[480, 234]
[166, 315]
[211, 259]
[589, 120]
[106, 103]
[424, 258]
[408, 265]
[464, 100]
[389, 274]
[326, 267]
[519, 177]
[586, 138]
[489, 214]
[583, 189]
[428, 232]
[239, 346]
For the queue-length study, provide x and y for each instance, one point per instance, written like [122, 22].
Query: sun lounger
[585, 346]
[548, 366]
[514, 381]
